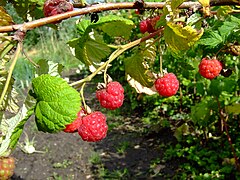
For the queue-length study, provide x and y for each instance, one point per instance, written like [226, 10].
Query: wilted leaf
[57, 103]
[11, 129]
[181, 38]
[5, 18]
[135, 67]
[204, 2]
[139, 88]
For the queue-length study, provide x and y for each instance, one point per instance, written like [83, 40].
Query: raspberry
[73, 127]
[53, 7]
[143, 26]
[167, 85]
[111, 97]
[148, 25]
[94, 127]
[7, 165]
[210, 68]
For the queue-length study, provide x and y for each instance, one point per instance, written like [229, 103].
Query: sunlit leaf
[181, 38]
[235, 108]
[5, 18]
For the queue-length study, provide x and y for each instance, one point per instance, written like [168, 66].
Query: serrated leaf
[235, 108]
[180, 38]
[82, 26]
[12, 129]
[212, 39]
[137, 70]
[57, 103]
[227, 28]
[110, 24]
[5, 18]
[91, 52]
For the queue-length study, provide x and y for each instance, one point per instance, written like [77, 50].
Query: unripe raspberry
[7, 166]
[53, 7]
[94, 127]
[112, 96]
[210, 68]
[167, 85]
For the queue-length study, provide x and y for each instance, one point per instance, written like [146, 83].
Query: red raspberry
[210, 68]
[53, 7]
[148, 25]
[167, 85]
[7, 166]
[73, 127]
[111, 97]
[143, 26]
[94, 127]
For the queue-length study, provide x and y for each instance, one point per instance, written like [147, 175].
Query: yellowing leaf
[181, 38]
[5, 18]
[204, 3]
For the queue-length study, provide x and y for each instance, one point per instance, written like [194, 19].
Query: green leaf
[12, 129]
[219, 85]
[235, 108]
[200, 113]
[57, 103]
[180, 38]
[91, 52]
[211, 39]
[229, 26]
[135, 68]
[110, 25]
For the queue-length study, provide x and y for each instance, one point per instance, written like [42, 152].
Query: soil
[128, 152]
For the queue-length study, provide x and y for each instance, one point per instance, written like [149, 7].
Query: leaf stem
[11, 68]
[115, 54]
[82, 96]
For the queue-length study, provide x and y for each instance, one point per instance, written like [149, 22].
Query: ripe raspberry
[94, 127]
[210, 68]
[111, 97]
[148, 25]
[167, 85]
[53, 7]
[7, 165]
[73, 127]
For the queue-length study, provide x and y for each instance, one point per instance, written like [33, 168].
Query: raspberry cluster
[148, 25]
[53, 7]
[112, 96]
[210, 68]
[167, 85]
[7, 166]
[91, 127]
